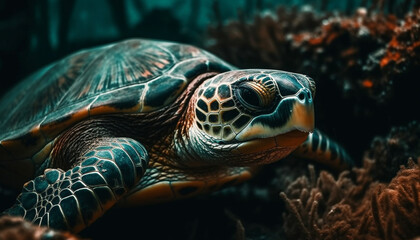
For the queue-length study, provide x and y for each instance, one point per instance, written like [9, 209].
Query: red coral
[395, 208]
[357, 205]
[404, 45]
[341, 209]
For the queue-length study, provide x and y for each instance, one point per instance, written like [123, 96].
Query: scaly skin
[77, 197]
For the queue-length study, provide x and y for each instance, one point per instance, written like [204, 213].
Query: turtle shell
[132, 76]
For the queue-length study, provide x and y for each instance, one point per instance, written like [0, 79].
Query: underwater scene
[209, 119]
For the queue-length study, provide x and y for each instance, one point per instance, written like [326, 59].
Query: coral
[17, 228]
[340, 209]
[327, 208]
[380, 200]
[392, 151]
[310, 200]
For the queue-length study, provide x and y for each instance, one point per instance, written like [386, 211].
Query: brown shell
[126, 77]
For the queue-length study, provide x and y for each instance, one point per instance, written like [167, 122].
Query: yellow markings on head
[254, 130]
[303, 117]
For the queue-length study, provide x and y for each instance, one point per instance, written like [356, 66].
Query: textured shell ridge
[36, 96]
[126, 77]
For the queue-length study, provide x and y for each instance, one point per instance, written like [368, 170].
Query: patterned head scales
[248, 104]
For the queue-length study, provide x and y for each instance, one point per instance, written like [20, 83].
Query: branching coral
[370, 202]
[340, 209]
[309, 201]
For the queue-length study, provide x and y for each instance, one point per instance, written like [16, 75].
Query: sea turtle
[141, 121]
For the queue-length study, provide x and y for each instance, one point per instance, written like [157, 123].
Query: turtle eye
[255, 95]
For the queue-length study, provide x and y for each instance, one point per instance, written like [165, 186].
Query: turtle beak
[294, 112]
[303, 117]
[281, 131]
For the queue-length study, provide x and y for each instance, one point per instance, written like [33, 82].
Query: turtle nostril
[301, 96]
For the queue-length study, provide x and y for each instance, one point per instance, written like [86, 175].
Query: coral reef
[340, 209]
[393, 150]
[19, 229]
[357, 205]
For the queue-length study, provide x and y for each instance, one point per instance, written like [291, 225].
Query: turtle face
[245, 105]
[255, 110]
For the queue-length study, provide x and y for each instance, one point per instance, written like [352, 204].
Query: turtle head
[251, 116]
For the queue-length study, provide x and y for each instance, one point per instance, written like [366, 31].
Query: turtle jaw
[274, 148]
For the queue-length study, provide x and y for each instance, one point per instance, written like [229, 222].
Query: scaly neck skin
[179, 148]
[184, 146]
[193, 147]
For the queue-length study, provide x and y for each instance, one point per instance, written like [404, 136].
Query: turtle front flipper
[74, 199]
[324, 150]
